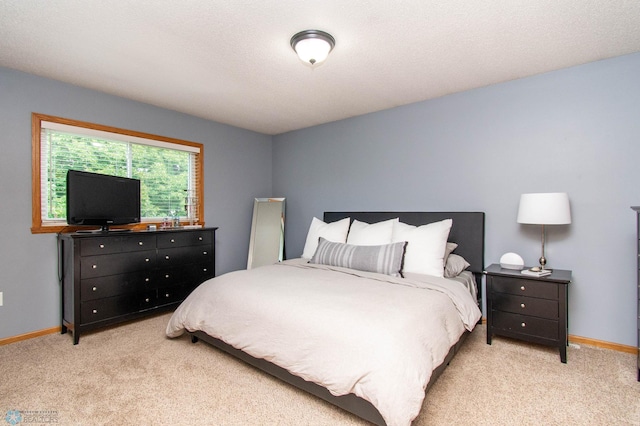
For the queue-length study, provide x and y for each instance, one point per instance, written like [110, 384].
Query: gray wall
[237, 169]
[575, 130]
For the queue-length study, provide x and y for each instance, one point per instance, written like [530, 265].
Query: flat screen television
[102, 200]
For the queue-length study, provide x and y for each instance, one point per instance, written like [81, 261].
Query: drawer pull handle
[146, 300]
[523, 325]
[166, 276]
[101, 246]
[140, 243]
[204, 269]
[199, 238]
[95, 311]
[522, 305]
[146, 280]
[146, 259]
[94, 266]
[173, 241]
[204, 252]
[166, 257]
[166, 295]
[95, 288]
[522, 288]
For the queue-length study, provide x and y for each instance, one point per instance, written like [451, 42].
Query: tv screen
[104, 200]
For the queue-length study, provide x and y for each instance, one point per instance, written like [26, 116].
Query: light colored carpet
[132, 374]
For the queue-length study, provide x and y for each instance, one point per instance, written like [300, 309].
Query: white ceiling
[230, 60]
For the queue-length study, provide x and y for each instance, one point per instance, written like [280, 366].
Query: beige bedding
[373, 335]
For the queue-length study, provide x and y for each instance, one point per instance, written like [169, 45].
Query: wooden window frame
[37, 225]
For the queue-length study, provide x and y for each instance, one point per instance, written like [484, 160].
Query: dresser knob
[522, 288]
[146, 280]
[173, 241]
[94, 266]
[95, 288]
[140, 243]
[146, 300]
[199, 238]
[204, 269]
[95, 311]
[522, 305]
[166, 295]
[523, 325]
[166, 276]
[166, 257]
[101, 246]
[146, 259]
[204, 252]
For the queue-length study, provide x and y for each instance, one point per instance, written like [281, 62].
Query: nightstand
[533, 309]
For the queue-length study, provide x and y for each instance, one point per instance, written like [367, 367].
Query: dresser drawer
[170, 257]
[114, 285]
[524, 324]
[543, 308]
[95, 246]
[524, 287]
[182, 239]
[173, 294]
[120, 263]
[110, 307]
[192, 273]
[138, 242]
[120, 244]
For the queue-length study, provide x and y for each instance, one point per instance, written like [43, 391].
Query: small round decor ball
[511, 261]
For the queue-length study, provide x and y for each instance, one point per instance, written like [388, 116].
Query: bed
[379, 368]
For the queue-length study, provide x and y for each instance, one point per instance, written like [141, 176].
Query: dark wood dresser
[108, 278]
[533, 309]
[637, 210]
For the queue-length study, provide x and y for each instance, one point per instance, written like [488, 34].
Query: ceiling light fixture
[312, 46]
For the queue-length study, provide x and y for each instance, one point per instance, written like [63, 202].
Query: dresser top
[126, 232]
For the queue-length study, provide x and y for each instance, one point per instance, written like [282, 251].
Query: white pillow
[426, 246]
[334, 231]
[375, 234]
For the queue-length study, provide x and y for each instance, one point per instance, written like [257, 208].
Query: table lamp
[544, 209]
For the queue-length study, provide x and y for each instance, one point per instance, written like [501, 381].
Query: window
[170, 170]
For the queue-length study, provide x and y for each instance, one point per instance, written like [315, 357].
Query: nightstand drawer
[543, 308]
[524, 287]
[524, 324]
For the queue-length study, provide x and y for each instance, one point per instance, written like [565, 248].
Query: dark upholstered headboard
[467, 229]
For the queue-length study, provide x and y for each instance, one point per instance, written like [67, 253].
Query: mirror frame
[267, 233]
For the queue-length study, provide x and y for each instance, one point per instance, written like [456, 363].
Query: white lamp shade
[544, 209]
[312, 50]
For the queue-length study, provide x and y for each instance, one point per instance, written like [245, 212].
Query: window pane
[164, 176]
[75, 152]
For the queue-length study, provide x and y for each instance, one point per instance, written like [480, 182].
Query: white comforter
[373, 335]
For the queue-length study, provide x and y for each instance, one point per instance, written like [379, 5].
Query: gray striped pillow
[385, 259]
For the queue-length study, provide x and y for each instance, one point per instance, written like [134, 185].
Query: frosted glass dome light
[312, 46]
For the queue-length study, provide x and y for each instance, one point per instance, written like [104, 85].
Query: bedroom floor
[132, 374]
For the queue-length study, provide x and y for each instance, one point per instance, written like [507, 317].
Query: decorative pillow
[334, 231]
[455, 265]
[448, 249]
[426, 246]
[375, 234]
[384, 259]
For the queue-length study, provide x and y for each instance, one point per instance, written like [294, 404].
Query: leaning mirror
[266, 245]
